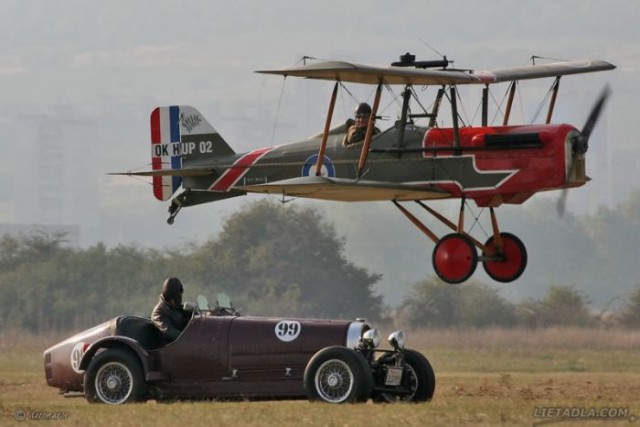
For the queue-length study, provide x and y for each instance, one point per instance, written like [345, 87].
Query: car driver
[168, 315]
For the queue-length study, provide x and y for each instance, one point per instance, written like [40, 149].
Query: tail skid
[180, 136]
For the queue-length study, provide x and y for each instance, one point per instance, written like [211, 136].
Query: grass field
[484, 378]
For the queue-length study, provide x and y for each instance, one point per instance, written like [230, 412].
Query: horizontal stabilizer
[197, 197]
[346, 190]
[169, 172]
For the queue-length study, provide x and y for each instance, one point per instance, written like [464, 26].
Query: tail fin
[180, 136]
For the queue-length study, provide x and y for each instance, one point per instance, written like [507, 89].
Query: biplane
[407, 162]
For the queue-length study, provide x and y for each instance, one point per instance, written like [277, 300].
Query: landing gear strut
[455, 256]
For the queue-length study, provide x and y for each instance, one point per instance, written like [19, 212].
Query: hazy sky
[79, 79]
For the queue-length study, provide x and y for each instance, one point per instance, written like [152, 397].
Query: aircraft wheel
[515, 258]
[454, 258]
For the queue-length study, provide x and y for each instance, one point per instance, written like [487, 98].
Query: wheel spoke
[113, 383]
[334, 381]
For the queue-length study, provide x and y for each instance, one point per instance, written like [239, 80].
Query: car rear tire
[419, 378]
[114, 376]
[338, 375]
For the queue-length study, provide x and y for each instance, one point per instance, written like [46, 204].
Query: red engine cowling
[538, 156]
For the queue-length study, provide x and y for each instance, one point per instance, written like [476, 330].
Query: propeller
[580, 143]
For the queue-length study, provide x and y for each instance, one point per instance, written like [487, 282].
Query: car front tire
[114, 376]
[338, 375]
[418, 377]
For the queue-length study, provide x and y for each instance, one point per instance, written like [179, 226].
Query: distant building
[50, 175]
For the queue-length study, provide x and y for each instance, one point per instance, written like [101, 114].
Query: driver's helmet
[363, 108]
[172, 288]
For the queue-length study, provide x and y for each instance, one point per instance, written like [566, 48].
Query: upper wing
[360, 73]
[553, 69]
[346, 190]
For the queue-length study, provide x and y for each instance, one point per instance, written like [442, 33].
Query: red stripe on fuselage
[241, 166]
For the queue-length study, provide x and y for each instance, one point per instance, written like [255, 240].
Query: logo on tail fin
[190, 122]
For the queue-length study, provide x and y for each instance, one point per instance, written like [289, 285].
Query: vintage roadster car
[223, 355]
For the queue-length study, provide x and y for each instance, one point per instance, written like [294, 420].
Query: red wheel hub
[514, 259]
[454, 258]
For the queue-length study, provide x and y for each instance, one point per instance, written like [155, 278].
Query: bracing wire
[417, 99]
[141, 178]
[277, 117]
[498, 105]
[542, 104]
[347, 90]
[476, 219]
[464, 120]
[432, 48]
[460, 118]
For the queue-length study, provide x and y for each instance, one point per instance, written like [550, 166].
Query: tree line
[433, 303]
[272, 260]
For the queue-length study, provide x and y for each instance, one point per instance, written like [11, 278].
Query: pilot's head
[362, 113]
[172, 290]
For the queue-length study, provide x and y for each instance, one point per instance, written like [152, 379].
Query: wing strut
[369, 134]
[406, 96]
[454, 113]
[485, 105]
[436, 107]
[325, 134]
[552, 104]
[512, 94]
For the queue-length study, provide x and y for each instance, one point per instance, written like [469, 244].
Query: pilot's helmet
[363, 108]
[172, 288]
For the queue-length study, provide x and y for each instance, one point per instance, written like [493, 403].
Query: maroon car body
[227, 356]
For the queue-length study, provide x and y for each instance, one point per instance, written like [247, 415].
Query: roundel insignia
[327, 166]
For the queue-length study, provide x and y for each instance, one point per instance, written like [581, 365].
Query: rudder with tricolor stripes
[181, 136]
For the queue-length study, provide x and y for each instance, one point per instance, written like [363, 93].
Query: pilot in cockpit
[358, 130]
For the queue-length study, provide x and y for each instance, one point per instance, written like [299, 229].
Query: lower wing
[346, 190]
